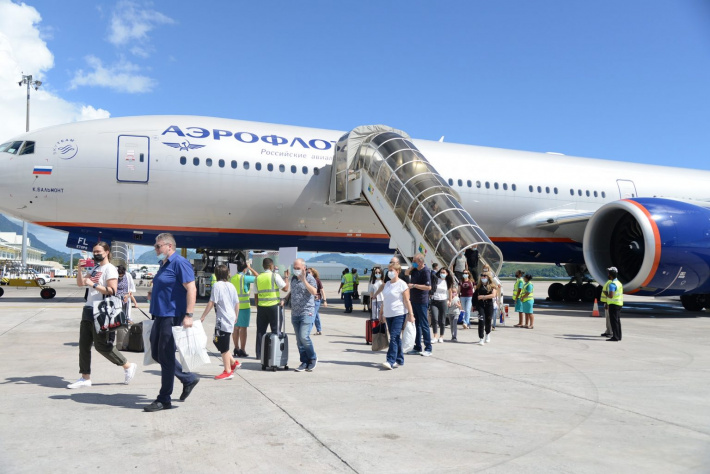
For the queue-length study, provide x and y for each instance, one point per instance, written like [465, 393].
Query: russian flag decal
[42, 170]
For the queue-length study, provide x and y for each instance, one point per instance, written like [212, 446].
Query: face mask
[443, 275]
[296, 272]
[99, 258]
[161, 257]
[465, 277]
[415, 265]
[391, 274]
[484, 280]
[378, 275]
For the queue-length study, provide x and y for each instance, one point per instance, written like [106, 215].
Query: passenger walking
[472, 259]
[498, 308]
[527, 299]
[440, 302]
[395, 307]
[125, 289]
[466, 288]
[225, 300]
[320, 299]
[517, 292]
[101, 282]
[454, 311]
[486, 291]
[303, 290]
[376, 281]
[242, 282]
[460, 266]
[614, 291]
[356, 282]
[420, 285]
[172, 302]
[268, 285]
[346, 285]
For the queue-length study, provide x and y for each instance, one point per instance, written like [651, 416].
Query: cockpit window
[10, 147]
[28, 149]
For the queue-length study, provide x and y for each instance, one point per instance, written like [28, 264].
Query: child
[225, 300]
[454, 311]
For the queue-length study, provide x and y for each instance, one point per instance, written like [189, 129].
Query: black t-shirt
[419, 277]
[472, 259]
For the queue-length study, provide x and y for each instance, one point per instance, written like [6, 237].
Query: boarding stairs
[379, 166]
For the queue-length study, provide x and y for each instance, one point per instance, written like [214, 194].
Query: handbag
[109, 315]
[191, 344]
[380, 340]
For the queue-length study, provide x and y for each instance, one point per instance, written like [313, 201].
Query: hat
[612, 269]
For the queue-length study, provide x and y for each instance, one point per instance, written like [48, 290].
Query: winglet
[441, 140]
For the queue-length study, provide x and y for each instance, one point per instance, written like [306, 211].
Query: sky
[606, 79]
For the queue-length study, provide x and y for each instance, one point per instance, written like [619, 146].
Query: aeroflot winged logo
[184, 146]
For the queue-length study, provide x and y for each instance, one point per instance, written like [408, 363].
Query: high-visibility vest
[213, 280]
[267, 290]
[238, 282]
[618, 298]
[348, 285]
[529, 289]
[519, 283]
[605, 291]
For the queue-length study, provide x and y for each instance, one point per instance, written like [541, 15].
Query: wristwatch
[189, 315]
[95, 285]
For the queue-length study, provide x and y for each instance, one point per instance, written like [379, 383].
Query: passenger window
[495, 185]
[451, 182]
[595, 194]
[245, 165]
[305, 170]
[488, 185]
[555, 190]
[28, 149]
[460, 183]
[571, 192]
[587, 193]
[514, 187]
[293, 169]
[316, 171]
[234, 165]
[183, 160]
[603, 194]
[282, 168]
[579, 192]
[531, 188]
[196, 161]
[539, 189]
[270, 167]
[505, 186]
[547, 189]
[221, 163]
[468, 183]
[478, 184]
[208, 161]
[258, 166]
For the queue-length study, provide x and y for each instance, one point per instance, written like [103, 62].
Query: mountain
[350, 261]
[6, 225]
[150, 258]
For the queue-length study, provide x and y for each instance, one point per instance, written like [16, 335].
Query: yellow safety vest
[348, 285]
[618, 298]
[266, 289]
[605, 291]
[238, 282]
[528, 288]
[519, 283]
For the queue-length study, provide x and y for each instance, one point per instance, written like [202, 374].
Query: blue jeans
[317, 320]
[348, 301]
[162, 348]
[394, 353]
[466, 304]
[422, 322]
[302, 325]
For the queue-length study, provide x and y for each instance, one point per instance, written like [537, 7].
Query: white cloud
[131, 23]
[22, 49]
[122, 76]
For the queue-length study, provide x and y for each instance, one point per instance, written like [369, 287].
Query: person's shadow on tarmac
[123, 400]
[48, 381]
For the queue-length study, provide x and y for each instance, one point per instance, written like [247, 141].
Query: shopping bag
[408, 336]
[148, 355]
[380, 340]
[191, 344]
[108, 314]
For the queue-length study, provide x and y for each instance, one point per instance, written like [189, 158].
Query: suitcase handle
[144, 313]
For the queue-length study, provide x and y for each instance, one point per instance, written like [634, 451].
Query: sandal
[529, 327]
[519, 326]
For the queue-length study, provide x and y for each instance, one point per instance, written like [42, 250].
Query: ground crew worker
[614, 291]
[346, 285]
[602, 300]
[356, 282]
[267, 309]
[527, 299]
[242, 282]
[517, 289]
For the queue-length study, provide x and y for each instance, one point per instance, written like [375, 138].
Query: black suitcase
[274, 347]
[135, 338]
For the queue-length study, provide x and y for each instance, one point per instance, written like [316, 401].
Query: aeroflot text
[248, 137]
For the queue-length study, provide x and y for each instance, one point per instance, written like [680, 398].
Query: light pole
[27, 80]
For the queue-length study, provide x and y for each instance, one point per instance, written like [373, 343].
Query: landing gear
[556, 292]
[695, 302]
[573, 292]
[589, 292]
[579, 288]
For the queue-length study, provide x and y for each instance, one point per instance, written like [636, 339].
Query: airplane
[231, 184]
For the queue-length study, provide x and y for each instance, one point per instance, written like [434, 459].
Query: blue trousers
[162, 347]
[302, 325]
[394, 353]
[317, 320]
[423, 332]
[348, 301]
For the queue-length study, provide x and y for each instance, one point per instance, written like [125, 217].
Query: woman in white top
[375, 284]
[440, 302]
[395, 306]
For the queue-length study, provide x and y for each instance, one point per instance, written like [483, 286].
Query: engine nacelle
[659, 246]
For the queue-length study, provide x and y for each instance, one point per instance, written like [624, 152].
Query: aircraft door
[133, 160]
[627, 189]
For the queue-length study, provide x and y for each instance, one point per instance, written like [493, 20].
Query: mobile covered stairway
[380, 166]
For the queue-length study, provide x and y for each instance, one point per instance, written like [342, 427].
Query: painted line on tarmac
[24, 321]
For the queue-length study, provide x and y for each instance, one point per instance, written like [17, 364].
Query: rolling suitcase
[274, 347]
[135, 336]
[370, 324]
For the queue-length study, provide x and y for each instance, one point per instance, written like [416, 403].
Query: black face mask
[99, 258]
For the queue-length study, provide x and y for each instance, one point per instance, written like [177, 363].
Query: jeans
[485, 314]
[317, 317]
[438, 316]
[466, 305]
[162, 347]
[348, 301]
[423, 331]
[265, 316]
[496, 315]
[394, 352]
[302, 325]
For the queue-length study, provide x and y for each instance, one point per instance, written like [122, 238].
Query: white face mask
[465, 277]
[297, 272]
[161, 256]
[484, 280]
[378, 275]
[443, 275]
[391, 274]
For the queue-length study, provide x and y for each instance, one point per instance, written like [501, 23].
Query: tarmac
[557, 398]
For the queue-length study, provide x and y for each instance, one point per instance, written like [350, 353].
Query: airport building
[11, 253]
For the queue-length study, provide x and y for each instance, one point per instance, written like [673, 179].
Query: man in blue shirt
[419, 287]
[172, 303]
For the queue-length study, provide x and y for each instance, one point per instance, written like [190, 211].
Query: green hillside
[351, 261]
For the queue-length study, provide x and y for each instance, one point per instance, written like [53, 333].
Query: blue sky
[619, 80]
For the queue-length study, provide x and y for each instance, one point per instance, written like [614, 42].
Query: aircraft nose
[15, 163]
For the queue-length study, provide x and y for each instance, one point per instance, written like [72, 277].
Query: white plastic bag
[410, 332]
[148, 355]
[191, 344]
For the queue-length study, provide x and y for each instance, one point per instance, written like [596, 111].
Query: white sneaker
[488, 338]
[82, 382]
[130, 372]
[441, 340]
[395, 365]
[426, 354]
[481, 342]
[386, 365]
[435, 340]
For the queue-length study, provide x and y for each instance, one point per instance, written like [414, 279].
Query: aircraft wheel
[41, 281]
[2, 292]
[694, 302]
[52, 292]
[45, 293]
[556, 292]
[589, 292]
[572, 292]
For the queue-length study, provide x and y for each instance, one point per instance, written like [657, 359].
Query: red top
[466, 289]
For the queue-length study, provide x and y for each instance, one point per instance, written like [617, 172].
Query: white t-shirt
[442, 292]
[393, 304]
[100, 275]
[225, 298]
[373, 289]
